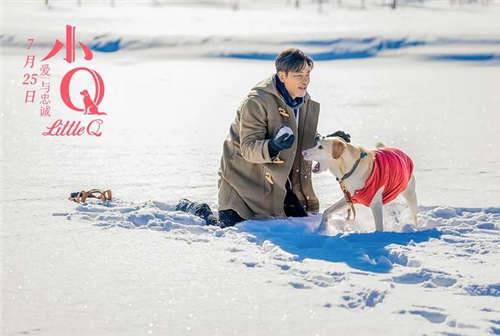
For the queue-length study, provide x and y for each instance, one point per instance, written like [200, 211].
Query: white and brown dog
[372, 178]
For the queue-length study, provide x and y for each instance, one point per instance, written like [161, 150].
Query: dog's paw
[327, 229]
[321, 230]
[323, 225]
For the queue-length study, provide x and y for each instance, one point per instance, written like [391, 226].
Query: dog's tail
[379, 145]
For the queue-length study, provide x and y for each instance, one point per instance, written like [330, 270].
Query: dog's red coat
[392, 169]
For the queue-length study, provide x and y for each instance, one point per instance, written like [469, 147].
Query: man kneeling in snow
[262, 171]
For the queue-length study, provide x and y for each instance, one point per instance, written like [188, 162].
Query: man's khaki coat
[250, 182]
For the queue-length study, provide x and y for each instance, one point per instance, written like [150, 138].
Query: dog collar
[356, 164]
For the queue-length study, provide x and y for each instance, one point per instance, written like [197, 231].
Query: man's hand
[282, 140]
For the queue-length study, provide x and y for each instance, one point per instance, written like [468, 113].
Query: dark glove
[341, 134]
[277, 144]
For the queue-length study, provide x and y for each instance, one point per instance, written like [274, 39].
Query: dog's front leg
[377, 207]
[336, 206]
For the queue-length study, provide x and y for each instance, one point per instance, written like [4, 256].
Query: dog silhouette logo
[90, 107]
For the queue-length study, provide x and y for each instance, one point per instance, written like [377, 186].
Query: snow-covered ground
[425, 80]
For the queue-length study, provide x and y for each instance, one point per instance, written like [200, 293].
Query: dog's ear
[338, 147]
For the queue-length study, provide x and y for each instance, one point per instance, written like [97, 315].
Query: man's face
[296, 82]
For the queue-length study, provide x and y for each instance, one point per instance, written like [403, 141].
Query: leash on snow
[81, 196]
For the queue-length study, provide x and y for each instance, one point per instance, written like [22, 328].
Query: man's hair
[292, 59]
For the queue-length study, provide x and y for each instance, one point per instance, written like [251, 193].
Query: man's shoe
[201, 210]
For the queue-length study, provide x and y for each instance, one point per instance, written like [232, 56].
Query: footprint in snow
[431, 316]
[429, 278]
[363, 299]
